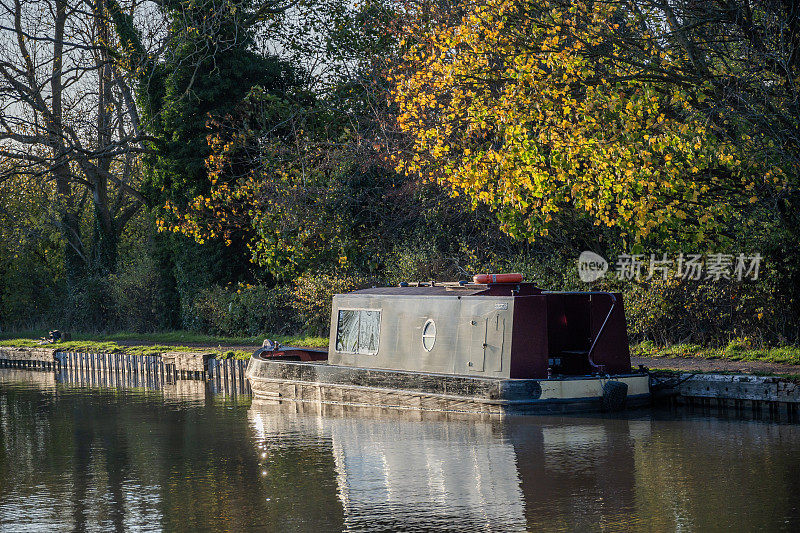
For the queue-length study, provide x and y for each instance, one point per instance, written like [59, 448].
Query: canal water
[98, 458]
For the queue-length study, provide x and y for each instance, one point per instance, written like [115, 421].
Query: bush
[135, 292]
[711, 313]
[421, 262]
[30, 295]
[738, 345]
[245, 310]
[313, 293]
[88, 306]
[557, 272]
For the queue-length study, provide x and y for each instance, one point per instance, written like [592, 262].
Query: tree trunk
[74, 258]
[106, 236]
[104, 246]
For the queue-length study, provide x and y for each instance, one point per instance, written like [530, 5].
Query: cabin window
[429, 335]
[358, 331]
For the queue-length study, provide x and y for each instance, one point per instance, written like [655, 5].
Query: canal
[98, 458]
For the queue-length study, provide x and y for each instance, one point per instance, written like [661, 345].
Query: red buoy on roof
[498, 278]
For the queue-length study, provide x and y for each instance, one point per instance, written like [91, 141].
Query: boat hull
[326, 383]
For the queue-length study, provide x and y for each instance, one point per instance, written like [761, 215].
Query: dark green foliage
[137, 294]
[244, 310]
[29, 290]
[89, 304]
[313, 296]
[205, 75]
[185, 99]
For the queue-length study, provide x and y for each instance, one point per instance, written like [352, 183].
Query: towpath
[701, 364]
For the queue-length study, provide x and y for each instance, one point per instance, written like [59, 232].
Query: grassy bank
[156, 343]
[176, 337]
[736, 350]
[113, 347]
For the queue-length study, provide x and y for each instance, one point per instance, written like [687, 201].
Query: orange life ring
[498, 278]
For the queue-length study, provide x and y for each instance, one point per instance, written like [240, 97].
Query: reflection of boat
[421, 471]
[493, 348]
[393, 473]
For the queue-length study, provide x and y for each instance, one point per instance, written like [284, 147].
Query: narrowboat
[494, 345]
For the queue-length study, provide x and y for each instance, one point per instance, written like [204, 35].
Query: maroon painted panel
[529, 350]
[611, 349]
[576, 311]
[510, 289]
[296, 354]
[557, 326]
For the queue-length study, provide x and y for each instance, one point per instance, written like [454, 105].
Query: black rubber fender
[614, 395]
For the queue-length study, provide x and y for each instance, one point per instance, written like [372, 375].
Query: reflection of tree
[720, 475]
[297, 492]
[113, 459]
[81, 466]
[704, 475]
[108, 459]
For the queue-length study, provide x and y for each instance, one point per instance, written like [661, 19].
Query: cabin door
[486, 348]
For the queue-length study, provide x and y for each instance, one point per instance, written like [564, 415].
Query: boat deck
[327, 383]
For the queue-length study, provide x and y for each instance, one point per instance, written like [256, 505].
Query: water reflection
[93, 459]
[404, 469]
[78, 458]
[421, 471]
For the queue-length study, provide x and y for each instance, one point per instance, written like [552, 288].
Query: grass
[178, 337]
[156, 343]
[736, 350]
[113, 347]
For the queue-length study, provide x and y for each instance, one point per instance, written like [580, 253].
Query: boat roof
[436, 290]
[454, 289]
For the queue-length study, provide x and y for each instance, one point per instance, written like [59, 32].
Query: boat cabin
[499, 330]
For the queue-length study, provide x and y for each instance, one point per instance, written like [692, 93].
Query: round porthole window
[429, 335]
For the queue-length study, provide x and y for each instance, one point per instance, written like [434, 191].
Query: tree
[208, 69]
[31, 258]
[645, 117]
[67, 118]
[275, 161]
[202, 67]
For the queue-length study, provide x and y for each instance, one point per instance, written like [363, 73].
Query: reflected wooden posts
[222, 376]
[110, 370]
[792, 412]
[227, 376]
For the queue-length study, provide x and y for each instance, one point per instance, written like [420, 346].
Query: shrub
[30, 294]
[245, 310]
[705, 312]
[555, 272]
[88, 307]
[313, 293]
[421, 262]
[135, 292]
[738, 345]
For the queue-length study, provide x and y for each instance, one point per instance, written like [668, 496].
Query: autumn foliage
[537, 107]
